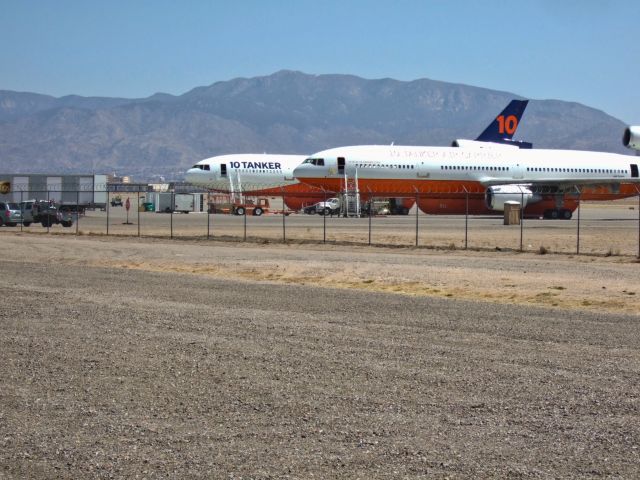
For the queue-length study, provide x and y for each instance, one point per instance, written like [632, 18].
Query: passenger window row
[574, 170]
[473, 168]
[383, 165]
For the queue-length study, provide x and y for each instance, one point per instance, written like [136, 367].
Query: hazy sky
[580, 50]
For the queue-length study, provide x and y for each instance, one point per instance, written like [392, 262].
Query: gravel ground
[156, 359]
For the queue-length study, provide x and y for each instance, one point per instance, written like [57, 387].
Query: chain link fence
[602, 224]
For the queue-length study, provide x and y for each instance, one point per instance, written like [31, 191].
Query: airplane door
[422, 170]
[341, 163]
[223, 170]
[634, 170]
[518, 171]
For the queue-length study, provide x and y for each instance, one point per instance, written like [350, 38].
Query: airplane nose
[298, 171]
[191, 175]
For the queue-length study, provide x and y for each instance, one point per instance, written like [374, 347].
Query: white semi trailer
[171, 202]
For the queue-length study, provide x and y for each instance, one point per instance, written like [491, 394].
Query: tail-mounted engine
[631, 137]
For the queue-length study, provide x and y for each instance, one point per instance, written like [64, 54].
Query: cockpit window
[315, 161]
[202, 167]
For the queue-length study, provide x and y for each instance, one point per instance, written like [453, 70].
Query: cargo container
[171, 202]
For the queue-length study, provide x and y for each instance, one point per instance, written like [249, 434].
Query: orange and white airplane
[255, 174]
[268, 174]
[478, 178]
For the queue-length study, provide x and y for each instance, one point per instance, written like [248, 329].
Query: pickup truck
[45, 213]
[329, 207]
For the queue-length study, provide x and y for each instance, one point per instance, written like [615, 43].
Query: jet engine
[496, 196]
[631, 137]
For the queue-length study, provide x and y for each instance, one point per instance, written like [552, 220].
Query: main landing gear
[558, 214]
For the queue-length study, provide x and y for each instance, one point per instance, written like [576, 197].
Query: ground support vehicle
[45, 213]
[380, 207]
[183, 202]
[255, 208]
[250, 208]
[167, 202]
[116, 201]
[331, 206]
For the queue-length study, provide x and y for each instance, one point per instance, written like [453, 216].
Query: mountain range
[286, 112]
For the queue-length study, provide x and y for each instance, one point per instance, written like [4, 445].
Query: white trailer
[183, 202]
[166, 202]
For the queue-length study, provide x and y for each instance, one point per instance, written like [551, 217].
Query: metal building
[89, 191]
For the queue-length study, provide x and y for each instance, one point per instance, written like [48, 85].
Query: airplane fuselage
[255, 175]
[411, 169]
[248, 173]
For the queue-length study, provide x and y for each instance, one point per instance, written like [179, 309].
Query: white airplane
[264, 174]
[245, 172]
[255, 174]
[478, 179]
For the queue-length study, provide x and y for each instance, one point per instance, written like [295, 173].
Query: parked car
[27, 212]
[10, 214]
[310, 209]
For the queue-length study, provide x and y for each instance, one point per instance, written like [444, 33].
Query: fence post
[21, 209]
[324, 220]
[107, 208]
[208, 216]
[521, 218]
[371, 204]
[77, 212]
[417, 209]
[284, 228]
[638, 190]
[466, 217]
[245, 222]
[138, 203]
[578, 227]
[173, 202]
[48, 216]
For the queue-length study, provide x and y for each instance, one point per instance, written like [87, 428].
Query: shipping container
[164, 202]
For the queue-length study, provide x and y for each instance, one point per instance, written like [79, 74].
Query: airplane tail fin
[504, 126]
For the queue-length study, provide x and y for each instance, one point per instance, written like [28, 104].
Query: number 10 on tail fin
[504, 126]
